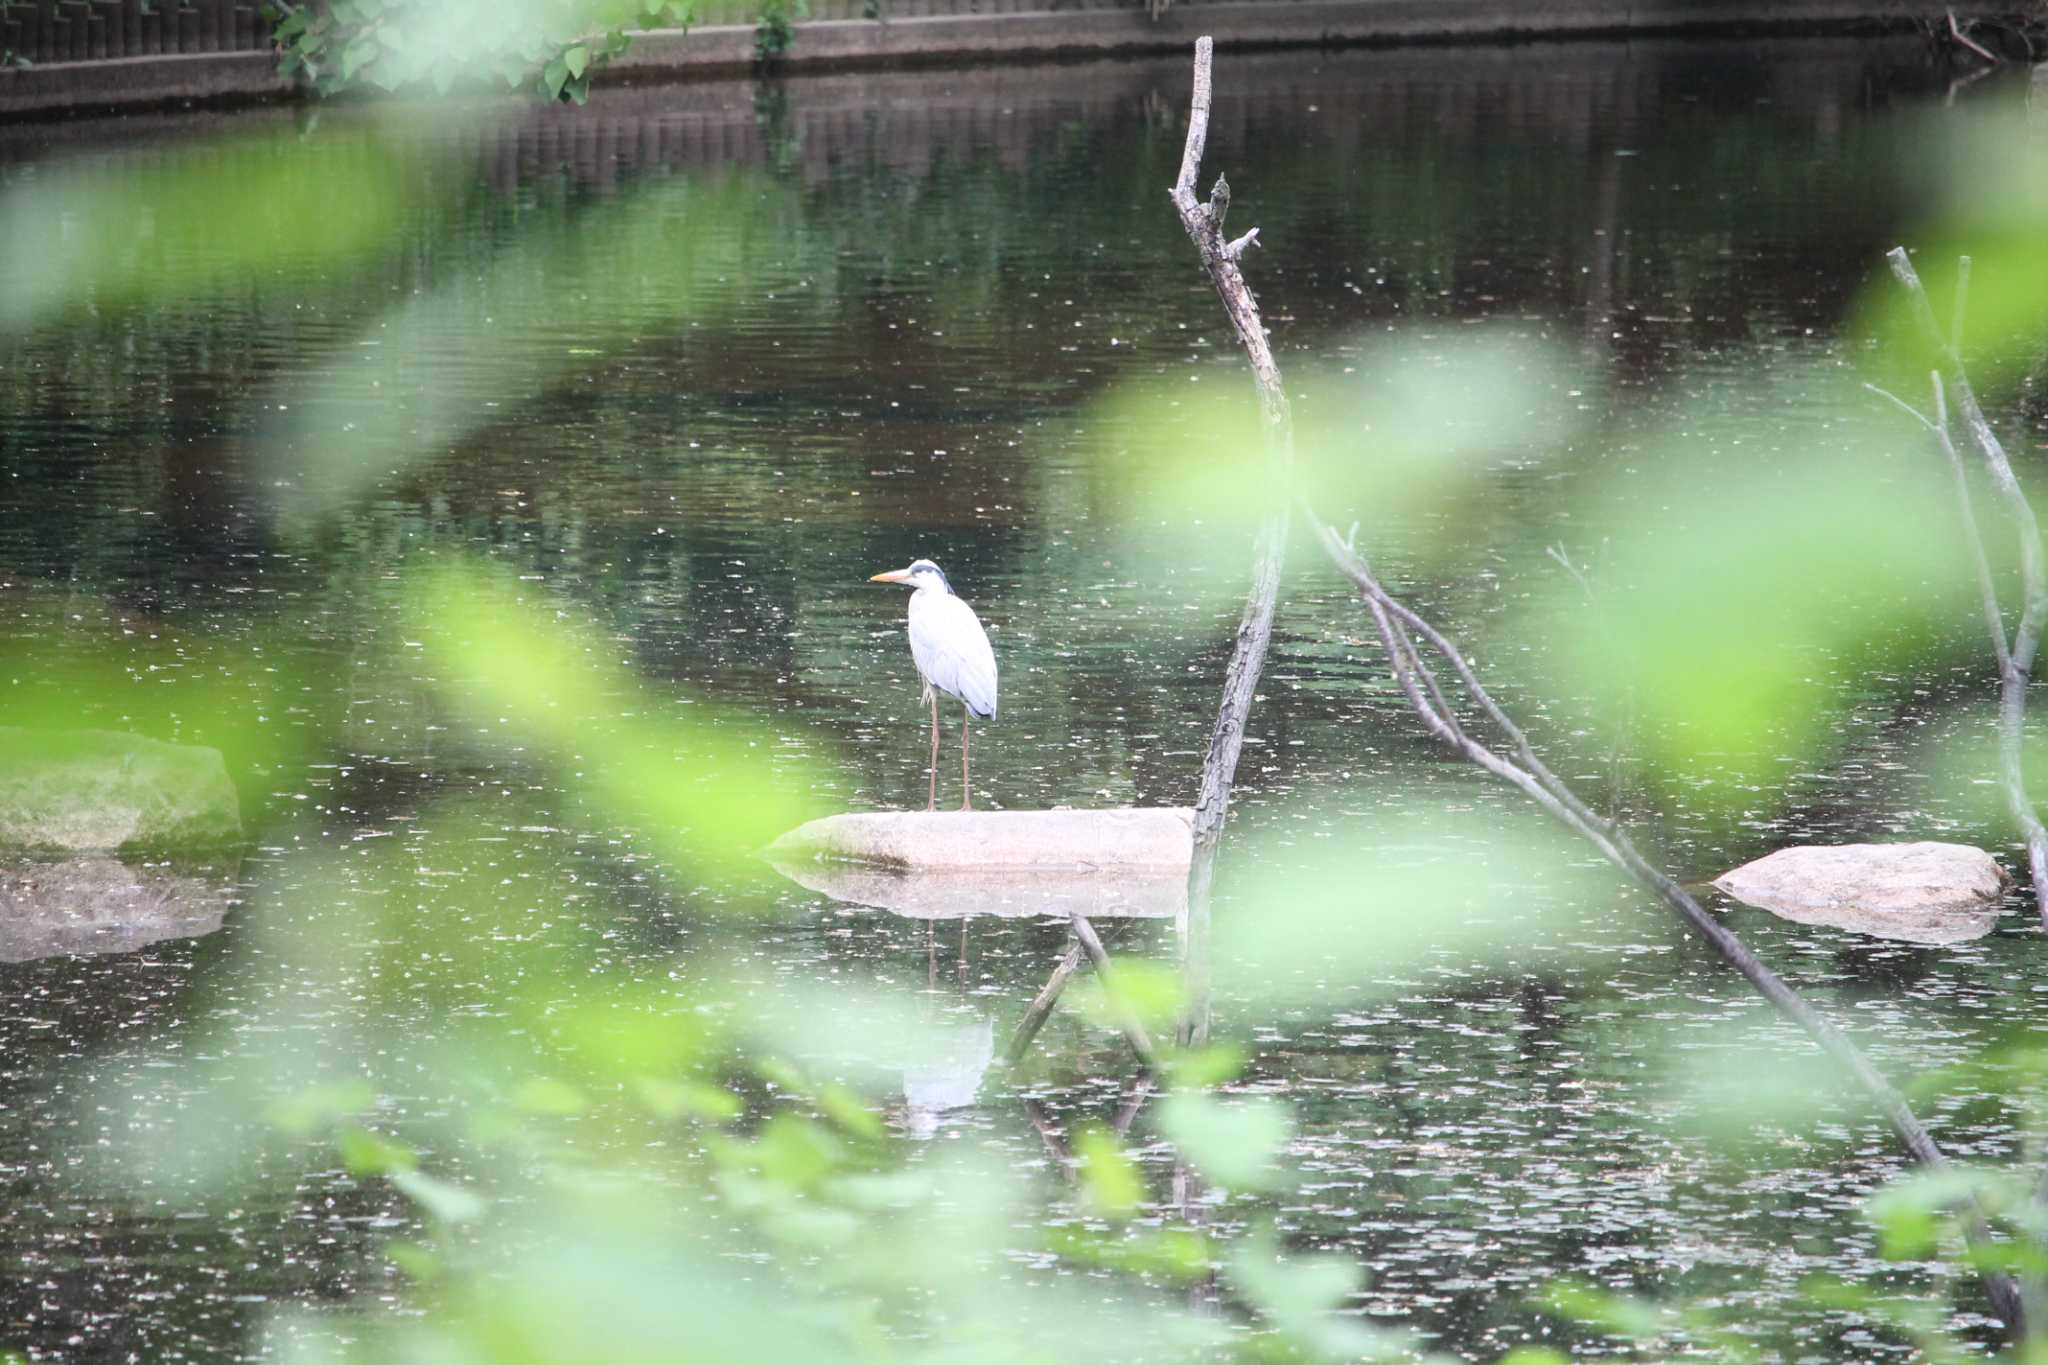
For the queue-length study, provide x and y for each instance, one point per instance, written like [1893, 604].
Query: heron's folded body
[952, 650]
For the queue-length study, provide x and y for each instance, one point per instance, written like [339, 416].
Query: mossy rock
[97, 791]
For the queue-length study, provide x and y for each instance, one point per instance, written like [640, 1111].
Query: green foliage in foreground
[670, 1161]
[211, 214]
[674, 1161]
[439, 45]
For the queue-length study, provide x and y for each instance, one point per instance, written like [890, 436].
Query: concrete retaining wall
[228, 77]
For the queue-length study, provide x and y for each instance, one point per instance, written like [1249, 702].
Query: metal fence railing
[49, 31]
[744, 11]
[52, 31]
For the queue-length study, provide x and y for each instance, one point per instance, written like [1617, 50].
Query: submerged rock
[88, 791]
[1156, 839]
[1919, 893]
[85, 906]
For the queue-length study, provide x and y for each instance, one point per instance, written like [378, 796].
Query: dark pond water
[693, 364]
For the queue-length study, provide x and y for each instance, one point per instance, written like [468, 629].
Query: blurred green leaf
[1417, 437]
[1960, 757]
[1109, 1177]
[1535, 1355]
[250, 209]
[1911, 1213]
[257, 702]
[793, 1152]
[1745, 1081]
[1237, 1143]
[1205, 1067]
[443, 1201]
[703, 786]
[567, 296]
[845, 1108]
[319, 1107]
[1174, 1254]
[548, 1095]
[1300, 1295]
[674, 1099]
[634, 1032]
[368, 1153]
[1402, 879]
[1988, 164]
[1616, 1314]
[1739, 597]
[1154, 993]
[422, 1263]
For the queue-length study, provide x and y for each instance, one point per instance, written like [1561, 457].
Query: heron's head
[921, 574]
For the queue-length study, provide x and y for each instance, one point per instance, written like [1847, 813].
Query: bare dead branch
[1987, 588]
[1198, 125]
[1204, 226]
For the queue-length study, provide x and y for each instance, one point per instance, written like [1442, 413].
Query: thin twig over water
[2015, 653]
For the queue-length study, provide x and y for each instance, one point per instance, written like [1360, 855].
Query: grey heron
[953, 656]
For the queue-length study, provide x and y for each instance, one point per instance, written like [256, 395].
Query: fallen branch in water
[1041, 1005]
[2015, 653]
[1400, 627]
[1204, 225]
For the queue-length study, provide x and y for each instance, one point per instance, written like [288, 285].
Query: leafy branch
[393, 45]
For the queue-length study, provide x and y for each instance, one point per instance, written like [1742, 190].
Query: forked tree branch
[1400, 627]
[2015, 654]
[1955, 31]
[1204, 225]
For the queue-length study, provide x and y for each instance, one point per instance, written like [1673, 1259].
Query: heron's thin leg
[932, 801]
[966, 792]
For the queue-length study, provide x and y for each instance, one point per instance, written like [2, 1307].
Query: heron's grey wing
[952, 650]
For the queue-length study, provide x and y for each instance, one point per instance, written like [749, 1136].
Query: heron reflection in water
[953, 656]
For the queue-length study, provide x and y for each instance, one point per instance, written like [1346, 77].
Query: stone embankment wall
[93, 55]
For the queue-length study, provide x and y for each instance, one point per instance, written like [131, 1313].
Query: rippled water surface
[563, 364]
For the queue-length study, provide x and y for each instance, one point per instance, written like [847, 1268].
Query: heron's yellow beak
[893, 576]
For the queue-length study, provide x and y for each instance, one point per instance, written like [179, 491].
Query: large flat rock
[95, 791]
[1155, 839]
[1919, 892]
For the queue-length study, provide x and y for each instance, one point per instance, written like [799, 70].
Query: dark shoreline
[228, 79]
